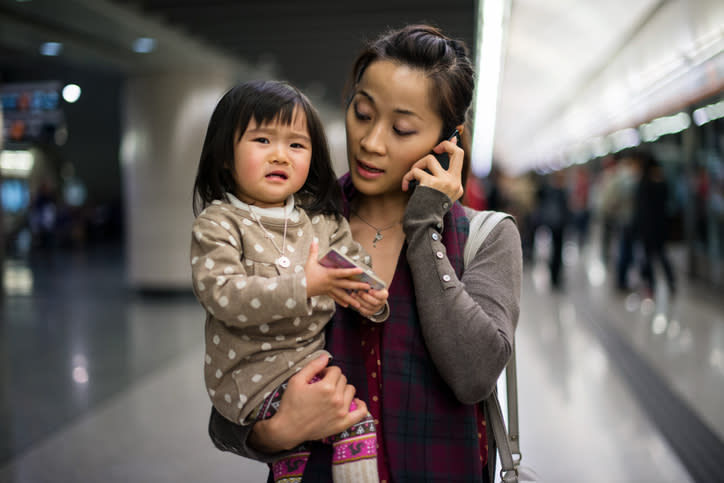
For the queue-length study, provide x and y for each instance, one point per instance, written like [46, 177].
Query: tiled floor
[102, 384]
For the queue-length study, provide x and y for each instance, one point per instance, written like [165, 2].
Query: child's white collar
[274, 212]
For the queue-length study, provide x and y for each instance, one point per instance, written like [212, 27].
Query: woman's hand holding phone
[440, 170]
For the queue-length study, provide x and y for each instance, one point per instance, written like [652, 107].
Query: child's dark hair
[444, 61]
[264, 102]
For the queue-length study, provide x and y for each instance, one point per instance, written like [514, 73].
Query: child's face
[271, 161]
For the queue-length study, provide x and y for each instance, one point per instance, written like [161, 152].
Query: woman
[449, 334]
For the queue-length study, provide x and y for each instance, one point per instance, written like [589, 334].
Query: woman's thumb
[314, 367]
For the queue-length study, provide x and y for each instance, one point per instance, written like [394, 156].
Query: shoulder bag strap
[508, 442]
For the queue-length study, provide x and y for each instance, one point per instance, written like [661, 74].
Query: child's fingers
[344, 272]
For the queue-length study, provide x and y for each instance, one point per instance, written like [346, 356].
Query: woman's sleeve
[234, 438]
[468, 324]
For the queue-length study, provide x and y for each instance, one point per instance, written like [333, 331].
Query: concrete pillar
[165, 116]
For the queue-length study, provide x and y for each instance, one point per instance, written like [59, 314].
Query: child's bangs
[272, 109]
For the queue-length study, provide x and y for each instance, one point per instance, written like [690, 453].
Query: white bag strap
[481, 224]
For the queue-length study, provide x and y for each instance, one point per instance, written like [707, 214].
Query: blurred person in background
[43, 216]
[554, 213]
[618, 199]
[604, 204]
[651, 221]
[580, 203]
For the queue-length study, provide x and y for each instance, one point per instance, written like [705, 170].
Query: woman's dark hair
[444, 61]
[264, 102]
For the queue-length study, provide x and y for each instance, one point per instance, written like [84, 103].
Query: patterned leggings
[355, 450]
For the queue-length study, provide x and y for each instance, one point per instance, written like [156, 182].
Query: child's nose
[280, 155]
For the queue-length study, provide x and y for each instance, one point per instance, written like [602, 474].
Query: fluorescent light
[16, 163]
[662, 126]
[709, 113]
[51, 48]
[625, 138]
[489, 43]
[144, 45]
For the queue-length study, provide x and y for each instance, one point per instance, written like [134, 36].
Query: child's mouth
[277, 175]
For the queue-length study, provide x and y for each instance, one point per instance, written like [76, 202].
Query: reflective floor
[100, 383]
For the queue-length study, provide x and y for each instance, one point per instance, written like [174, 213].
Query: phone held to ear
[442, 158]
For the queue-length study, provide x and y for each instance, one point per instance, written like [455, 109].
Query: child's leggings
[355, 450]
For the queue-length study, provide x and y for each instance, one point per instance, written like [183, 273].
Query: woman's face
[391, 123]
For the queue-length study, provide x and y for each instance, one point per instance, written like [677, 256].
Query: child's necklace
[283, 261]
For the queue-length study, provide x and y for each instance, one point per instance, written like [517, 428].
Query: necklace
[283, 261]
[378, 235]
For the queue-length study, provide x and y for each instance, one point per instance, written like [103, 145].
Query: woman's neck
[381, 209]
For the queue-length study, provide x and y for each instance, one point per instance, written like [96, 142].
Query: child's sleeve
[225, 289]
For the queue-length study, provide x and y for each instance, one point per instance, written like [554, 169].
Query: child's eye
[298, 146]
[261, 140]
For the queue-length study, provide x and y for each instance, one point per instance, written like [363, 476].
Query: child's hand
[334, 282]
[371, 301]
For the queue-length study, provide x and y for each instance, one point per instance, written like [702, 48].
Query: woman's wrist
[269, 437]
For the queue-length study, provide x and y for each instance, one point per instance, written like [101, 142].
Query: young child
[270, 204]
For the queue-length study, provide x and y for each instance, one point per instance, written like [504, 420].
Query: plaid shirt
[425, 433]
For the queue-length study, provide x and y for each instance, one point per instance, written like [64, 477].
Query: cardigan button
[440, 255]
[435, 236]
[446, 277]
[446, 205]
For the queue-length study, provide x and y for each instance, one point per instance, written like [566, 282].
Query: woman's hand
[308, 410]
[371, 301]
[334, 282]
[447, 181]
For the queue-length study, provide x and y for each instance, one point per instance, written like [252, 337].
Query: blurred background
[598, 125]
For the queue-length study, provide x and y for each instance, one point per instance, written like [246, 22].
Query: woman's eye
[403, 132]
[361, 115]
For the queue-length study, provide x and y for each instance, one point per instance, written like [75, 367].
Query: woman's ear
[460, 128]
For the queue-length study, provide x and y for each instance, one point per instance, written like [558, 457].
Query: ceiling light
[144, 45]
[71, 93]
[51, 48]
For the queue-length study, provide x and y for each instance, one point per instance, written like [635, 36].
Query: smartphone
[442, 158]
[332, 258]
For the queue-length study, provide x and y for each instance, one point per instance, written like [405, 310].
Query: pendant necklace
[283, 261]
[378, 235]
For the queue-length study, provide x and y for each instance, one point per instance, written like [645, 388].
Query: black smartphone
[442, 158]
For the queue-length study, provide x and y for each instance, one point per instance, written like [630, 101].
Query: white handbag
[507, 441]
